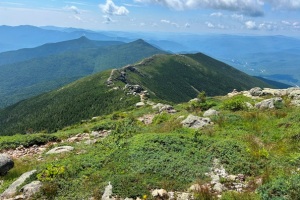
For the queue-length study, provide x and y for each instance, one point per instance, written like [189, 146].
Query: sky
[262, 17]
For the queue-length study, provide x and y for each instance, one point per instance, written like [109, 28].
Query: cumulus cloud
[73, 9]
[110, 8]
[250, 25]
[248, 7]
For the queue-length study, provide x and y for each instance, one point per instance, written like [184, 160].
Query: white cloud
[250, 25]
[210, 25]
[269, 26]
[165, 21]
[110, 8]
[72, 8]
[248, 7]
[187, 25]
[216, 14]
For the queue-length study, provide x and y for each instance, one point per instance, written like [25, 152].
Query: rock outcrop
[6, 163]
[164, 108]
[61, 149]
[11, 191]
[196, 122]
[269, 103]
[31, 189]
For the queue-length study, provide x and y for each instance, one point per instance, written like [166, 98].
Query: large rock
[61, 149]
[257, 91]
[196, 122]
[31, 188]
[268, 103]
[210, 112]
[295, 102]
[295, 94]
[164, 108]
[12, 189]
[274, 92]
[6, 163]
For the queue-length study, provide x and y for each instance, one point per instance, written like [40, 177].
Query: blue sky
[264, 17]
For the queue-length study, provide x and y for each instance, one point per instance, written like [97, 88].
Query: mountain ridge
[16, 78]
[166, 77]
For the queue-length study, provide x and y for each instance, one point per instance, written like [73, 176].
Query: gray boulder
[6, 163]
[295, 94]
[268, 103]
[196, 122]
[12, 189]
[31, 188]
[295, 102]
[210, 112]
[257, 91]
[61, 149]
[160, 194]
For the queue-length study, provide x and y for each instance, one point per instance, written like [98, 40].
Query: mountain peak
[83, 38]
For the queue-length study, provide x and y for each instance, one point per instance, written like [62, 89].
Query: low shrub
[235, 103]
[284, 187]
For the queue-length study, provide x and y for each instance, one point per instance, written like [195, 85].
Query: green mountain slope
[174, 78]
[179, 78]
[80, 100]
[51, 49]
[29, 78]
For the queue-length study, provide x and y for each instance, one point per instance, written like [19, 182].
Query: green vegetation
[179, 78]
[78, 101]
[136, 157]
[171, 78]
[55, 65]
[263, 145]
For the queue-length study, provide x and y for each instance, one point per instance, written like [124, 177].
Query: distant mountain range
[13, 38]
[29, 72]
[263, 56]
[173, 78]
